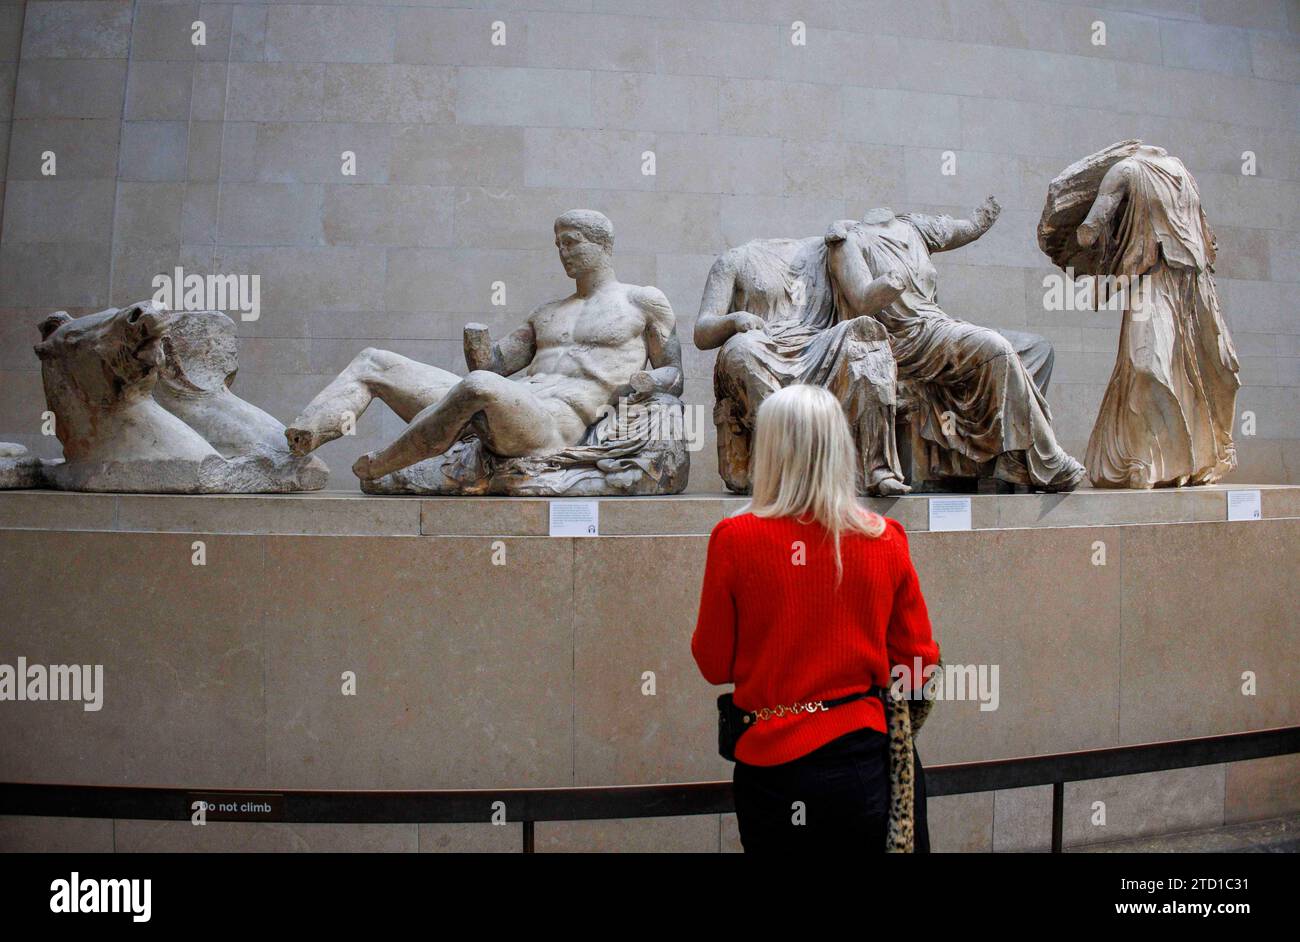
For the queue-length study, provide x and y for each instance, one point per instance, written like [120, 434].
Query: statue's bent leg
[733, 445]
[1036, 458]
[867, 385]
[1010, 415]
[1036, 353]
[515, 422]
[743, 377]
[405, 385]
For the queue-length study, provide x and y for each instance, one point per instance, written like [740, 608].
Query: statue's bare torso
[535, 391]
[586, 348]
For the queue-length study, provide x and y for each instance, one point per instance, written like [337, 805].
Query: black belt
[733, 721]
[811, 706]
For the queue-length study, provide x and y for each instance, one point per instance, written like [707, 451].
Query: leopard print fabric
[904, 718]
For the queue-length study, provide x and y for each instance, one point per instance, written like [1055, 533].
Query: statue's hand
[642, 383]
[743, 321]
[894, 280]
[1087, 234]
[987, 213]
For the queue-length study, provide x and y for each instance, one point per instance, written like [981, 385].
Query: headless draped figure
[975, 395]
[770, 306]
[1166, 418]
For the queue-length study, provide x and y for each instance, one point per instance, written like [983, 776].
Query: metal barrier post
[1058, 814]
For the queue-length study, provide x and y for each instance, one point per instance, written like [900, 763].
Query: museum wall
[227, 158]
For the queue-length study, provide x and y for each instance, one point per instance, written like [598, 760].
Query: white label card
[575, 518]
[949, 513]
[1243, 505]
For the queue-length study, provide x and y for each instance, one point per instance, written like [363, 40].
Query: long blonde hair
[804, 465]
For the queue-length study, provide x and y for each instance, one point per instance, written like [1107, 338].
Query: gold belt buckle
[812, 706]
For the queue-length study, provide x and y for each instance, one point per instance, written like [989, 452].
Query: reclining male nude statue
[536, 414]
[775, 308]
[974, 394]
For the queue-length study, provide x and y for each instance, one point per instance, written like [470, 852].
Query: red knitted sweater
[773, 622]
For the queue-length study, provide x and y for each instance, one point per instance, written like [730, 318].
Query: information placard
[575, 518]
[949, 513]
[1243, 505]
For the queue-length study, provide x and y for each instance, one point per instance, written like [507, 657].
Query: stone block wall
[226, 157]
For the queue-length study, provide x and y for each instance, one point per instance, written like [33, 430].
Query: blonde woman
[808, 600]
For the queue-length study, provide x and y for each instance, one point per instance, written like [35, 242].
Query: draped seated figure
[856, 311]
[142, 402]
[580, 400]
[770, 306]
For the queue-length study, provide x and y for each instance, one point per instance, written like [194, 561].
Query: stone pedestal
[1114, 617]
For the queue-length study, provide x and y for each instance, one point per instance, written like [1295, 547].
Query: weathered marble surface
[973, 394]
[100, 373]
[194, 380]
[770, 305]
[1130, 217]
[18, 469]
[857, 312]
[643, 461]
[542, 411]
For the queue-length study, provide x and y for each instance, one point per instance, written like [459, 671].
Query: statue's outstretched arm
[507, 356]
[945, 233]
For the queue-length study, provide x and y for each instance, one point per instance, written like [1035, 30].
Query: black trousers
[834, 798]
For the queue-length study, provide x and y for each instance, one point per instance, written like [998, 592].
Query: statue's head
[585, 240]
[109, 356]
